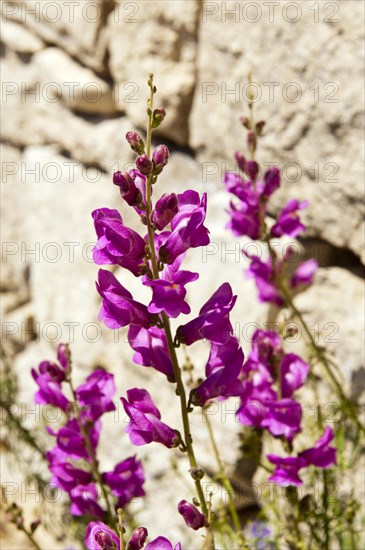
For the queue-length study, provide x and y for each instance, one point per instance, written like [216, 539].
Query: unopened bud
[196, 473]
[160, 157]
[165, 210]
[128, 189]
[245, 121]
[138, 538]
[193, 518]
[251, 141]
[252, 169]
[240, 159]
[158, 116]
[259, 127]
[135, 141]
[144, 164]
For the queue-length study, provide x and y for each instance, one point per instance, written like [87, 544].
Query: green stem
[320, 353]
[30, 538]
[167, 329]
[94, 462]
[223, 476]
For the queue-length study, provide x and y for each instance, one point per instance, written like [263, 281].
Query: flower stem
[319, 351]
[94, 461]
[167, 329]
[222, 474]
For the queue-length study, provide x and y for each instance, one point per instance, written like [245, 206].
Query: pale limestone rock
[319, 131]
[159, 38]
[61, 78]
[19, 39]
[76, 27]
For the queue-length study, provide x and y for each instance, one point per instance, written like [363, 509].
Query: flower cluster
[73, 461]
[270, 377]
[100, 537]
[248, 211]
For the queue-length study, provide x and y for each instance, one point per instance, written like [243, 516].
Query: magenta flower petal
[294, 372]
[119, 309]
[321, 455]
[96, 394]
[99, 536]
[213, 320]
[187, 227]
[304, 274]
[288, 222]
[117, 244]
[286, 471]
[145, 425]
[193, 518]
[151, 349]
[126, 480]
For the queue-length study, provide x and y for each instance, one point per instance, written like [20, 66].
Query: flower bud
[138, 538]
[165, 209]
[144, 164]
[135, 141]
[241, 161]
[272, 181]
[196, 473]
[158, 116]
[252, 169]
[251, 141]
[193, 518]
[128, 190]
[64, 356]
[245, 122]
[160, 157]
[259, 127]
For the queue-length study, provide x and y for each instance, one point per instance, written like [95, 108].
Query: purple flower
[288, 222]
[213, 320]
[66, 476]
[294, 372]
[168, 292]
[161, 543]
[304, 274]
[117, 244]
[188, 230]
[321, 455]
[286, 471]
[249, 210]
[255, 403]
[138, 538]
[71, 441]
[84, 501]
[264, 276]
[97, 394]
[119, 309]
[99, 536]
[266, 351]
[193, 518]
[128, 189]
[283, 418]
[126, 480]
[272, 181]
[151, 349]
[49, 379]
[165, 209]
[145, 425]
[222, 371]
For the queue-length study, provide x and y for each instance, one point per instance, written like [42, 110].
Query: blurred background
[74, 81]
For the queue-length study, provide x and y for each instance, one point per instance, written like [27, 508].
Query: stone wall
[74, 81]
